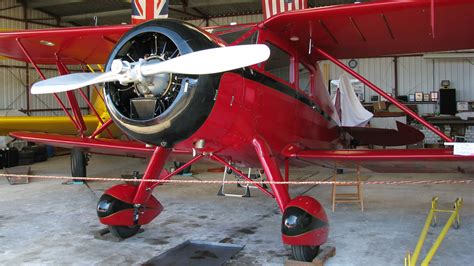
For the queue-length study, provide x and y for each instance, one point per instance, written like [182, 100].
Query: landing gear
[304, 223]
[304, 253]
[124, 219]
[78, 163]
[125, 207]
[109, 205]
[304, 227]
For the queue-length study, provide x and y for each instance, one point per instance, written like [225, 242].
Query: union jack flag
[273, 7]
[144, 10]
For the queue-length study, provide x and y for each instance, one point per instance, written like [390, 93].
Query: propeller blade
[71, 82]
[207, 61]
[210, 61]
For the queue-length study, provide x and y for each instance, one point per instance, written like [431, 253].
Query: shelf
[448, 120]
[421, 103]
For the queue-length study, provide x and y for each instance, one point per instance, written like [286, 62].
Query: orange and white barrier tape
[177, 181]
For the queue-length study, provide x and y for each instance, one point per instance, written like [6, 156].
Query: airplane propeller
[202, 62]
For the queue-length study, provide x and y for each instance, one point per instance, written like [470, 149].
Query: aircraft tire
[78, 163]
[41, 153]
[108, 206]
[26, 157]
[304, 253]
[124, 231]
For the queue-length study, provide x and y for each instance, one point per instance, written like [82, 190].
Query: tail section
[144, 10]
[274, 7]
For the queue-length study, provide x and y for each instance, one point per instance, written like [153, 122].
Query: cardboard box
[380, 106]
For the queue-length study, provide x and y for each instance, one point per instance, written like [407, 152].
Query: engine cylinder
[168, 107]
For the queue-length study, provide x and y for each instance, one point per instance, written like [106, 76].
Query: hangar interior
[47, 222]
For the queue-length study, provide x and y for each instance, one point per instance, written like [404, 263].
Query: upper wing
[78, 45]
[392, 160]
[380, 28]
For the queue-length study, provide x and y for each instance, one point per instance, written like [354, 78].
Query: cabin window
[279, 63]
[230, 37]
[304, 78]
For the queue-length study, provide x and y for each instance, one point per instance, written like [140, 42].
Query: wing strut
[40, 73]
[379, 91]
[72, 99]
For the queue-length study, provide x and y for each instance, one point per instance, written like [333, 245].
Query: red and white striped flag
[144, 10]
[273, 7]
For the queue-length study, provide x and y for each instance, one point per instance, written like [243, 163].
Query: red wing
[73, 45]
[393, 160]
[379, 28]
[100, 146]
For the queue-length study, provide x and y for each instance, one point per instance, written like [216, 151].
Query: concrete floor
[45, 222]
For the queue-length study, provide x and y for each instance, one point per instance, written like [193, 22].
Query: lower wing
[392, 160]
[128, 148]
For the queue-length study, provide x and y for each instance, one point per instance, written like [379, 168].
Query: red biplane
[182, 91]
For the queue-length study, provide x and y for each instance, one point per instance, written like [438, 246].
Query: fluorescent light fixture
[448, 55]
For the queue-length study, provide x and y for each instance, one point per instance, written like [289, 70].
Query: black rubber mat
[196, 253]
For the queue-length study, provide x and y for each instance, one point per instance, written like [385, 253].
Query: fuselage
[258, 101]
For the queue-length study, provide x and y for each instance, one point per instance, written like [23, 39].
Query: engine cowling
[166, 108]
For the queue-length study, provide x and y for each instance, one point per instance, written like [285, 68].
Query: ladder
[347, 197]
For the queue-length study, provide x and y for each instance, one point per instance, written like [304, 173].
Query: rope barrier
[398, 182]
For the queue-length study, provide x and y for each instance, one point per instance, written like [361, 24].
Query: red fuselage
[254, 103]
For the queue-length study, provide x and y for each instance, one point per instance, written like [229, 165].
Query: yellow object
[46, 124]
[60, 124]
[454, 220]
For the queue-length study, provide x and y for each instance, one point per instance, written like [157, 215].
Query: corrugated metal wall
[378, 70]
[415, 74]
[13, 87]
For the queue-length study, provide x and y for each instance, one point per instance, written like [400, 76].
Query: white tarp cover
[353, 114]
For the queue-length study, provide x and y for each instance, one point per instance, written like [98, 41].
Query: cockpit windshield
[232, 33]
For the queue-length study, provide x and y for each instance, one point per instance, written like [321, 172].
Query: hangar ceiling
[110, 12]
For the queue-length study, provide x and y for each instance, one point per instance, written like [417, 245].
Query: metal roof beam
[206, 3]
[42, 3]
[114, 13]
[185, 12]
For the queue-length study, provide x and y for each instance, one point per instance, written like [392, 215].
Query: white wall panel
[415, 74]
